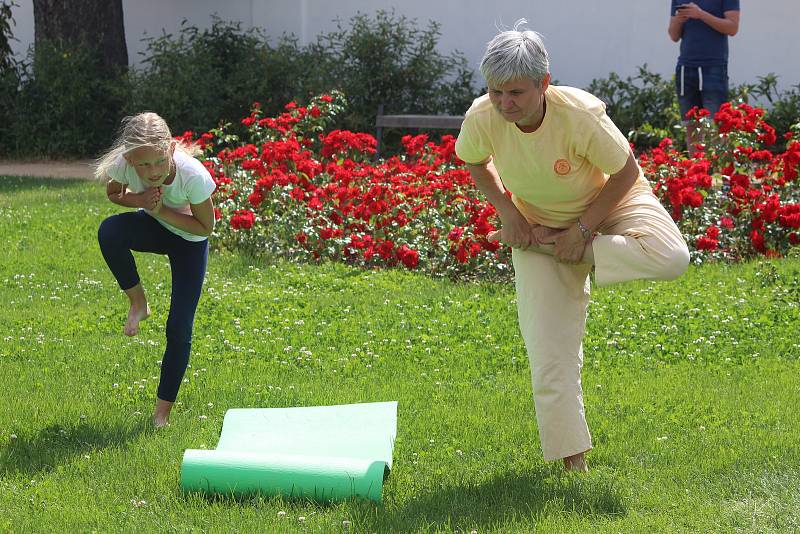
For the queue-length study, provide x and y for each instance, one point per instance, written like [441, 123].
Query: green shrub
[8, 98]
[58, 106]
[643, 107]
[197, 78]
[390, 60]
[6, 35]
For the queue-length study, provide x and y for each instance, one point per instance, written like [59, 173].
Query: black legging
[122, 233]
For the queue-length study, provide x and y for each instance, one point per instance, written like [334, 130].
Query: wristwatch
[585, 232]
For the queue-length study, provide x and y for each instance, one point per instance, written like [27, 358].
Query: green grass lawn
[691, 390]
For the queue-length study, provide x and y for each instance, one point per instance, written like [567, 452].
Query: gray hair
[514, 55]
[144, 129]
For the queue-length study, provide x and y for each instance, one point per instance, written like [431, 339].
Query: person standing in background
[701, 76]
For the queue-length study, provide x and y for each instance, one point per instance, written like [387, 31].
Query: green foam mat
[323, 453]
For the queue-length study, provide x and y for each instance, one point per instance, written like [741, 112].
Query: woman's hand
[569, 245]
[515, 231]
[543, 234]
[519, 233]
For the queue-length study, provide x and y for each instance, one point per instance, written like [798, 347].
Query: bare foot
[576, 462]
[161, 413]
[136, 314]
[160, 421]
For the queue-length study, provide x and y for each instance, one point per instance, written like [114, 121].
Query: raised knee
[107, 231]
[676, 263]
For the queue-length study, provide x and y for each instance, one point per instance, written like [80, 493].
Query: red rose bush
[292, 188]
[735, 198]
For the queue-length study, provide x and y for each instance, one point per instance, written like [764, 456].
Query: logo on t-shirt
[561, 167]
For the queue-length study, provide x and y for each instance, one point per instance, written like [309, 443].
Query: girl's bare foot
[161, 413]
[139, 311]
[136, 314]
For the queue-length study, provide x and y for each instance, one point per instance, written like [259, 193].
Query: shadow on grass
[17, 184]
[510, 498]
[56, 444]
[504, 500]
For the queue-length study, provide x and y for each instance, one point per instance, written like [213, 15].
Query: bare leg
[139, 310]
[161, 413]
[576, 462]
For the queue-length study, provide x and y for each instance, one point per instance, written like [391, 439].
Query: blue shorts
[704, 87]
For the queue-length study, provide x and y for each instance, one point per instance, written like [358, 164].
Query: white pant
[639, 241]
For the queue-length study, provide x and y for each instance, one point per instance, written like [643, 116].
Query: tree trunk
[97, 24]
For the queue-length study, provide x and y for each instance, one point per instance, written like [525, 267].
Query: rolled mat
[324, 453]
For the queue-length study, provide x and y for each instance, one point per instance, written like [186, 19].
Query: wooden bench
[431, 122]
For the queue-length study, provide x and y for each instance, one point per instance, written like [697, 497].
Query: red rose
[706, 243]
[455, 234]
[242, 219]
[255, 199]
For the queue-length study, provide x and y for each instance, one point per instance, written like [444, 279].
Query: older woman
[578, 199]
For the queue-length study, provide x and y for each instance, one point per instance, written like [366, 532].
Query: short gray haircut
[514, 55]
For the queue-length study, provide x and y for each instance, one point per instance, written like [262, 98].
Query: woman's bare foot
[576, 462]
[136, 314]
[161, 413]
[139, 311]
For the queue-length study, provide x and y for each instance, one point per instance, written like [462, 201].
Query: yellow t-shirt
[555, 172]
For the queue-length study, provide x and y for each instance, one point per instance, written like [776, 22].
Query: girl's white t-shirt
[192, 185]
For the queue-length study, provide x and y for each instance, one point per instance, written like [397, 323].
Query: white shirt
[192, 185]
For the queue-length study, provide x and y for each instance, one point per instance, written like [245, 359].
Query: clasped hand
[568, 244]
[522, 234]
[150, 199]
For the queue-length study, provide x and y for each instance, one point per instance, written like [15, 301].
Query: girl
[147, 169]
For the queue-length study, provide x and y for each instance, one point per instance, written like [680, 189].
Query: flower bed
[734, 199]
[291, 189]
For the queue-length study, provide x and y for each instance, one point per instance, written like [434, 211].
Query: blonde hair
[144, 129]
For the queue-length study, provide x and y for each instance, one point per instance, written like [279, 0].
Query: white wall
[586, 39]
